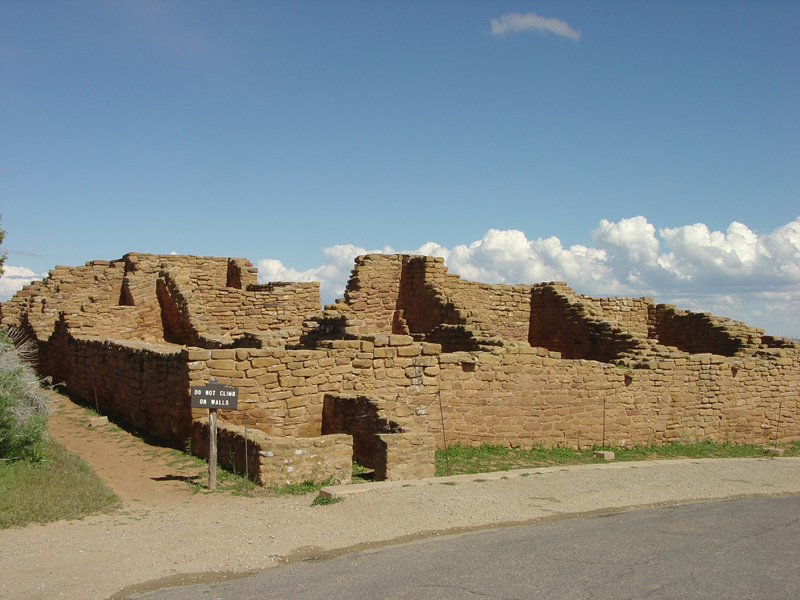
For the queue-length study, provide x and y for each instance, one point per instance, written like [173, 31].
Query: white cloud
[517, 23]
[332, 275]
[738, 274]
[14, 278]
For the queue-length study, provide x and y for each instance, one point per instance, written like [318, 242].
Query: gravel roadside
[165, 539]
[208, 537]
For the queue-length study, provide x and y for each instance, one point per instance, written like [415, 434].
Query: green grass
[309, 486]
[229, 482]
[324, 501]
[488, 458]
[60, 486]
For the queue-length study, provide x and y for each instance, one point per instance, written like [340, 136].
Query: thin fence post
[212, 448]
[604, 424]
[246, 458]
[444, 435]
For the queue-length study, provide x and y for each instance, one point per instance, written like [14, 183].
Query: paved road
[745, 548]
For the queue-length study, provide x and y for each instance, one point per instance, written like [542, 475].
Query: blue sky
[629, 148]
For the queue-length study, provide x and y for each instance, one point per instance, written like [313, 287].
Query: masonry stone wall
[409, 347]
[277, 461]
[140, 383]
[561, 322]
[371, 294]
[703, 332]
[283, 390]
[527, 396]
[442, 308]
[190, 300]
[635, 316]
[379, 442]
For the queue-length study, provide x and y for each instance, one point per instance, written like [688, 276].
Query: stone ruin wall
[189, 300]
[415, 295]
[526, 396]
[143, 384]
[518, 365]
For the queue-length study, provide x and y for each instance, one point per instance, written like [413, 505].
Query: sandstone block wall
[527, 396]
[189, 300]
[518, 365]
[139, 383]
[371, 294]
[380, 443]
[635, 316]
[703, 332]
[561, 322]
[277, 461]
[283, 390]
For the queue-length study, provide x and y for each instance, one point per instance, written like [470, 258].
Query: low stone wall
[142, 384]
[277, 461]
[379, 442]
[409, 455]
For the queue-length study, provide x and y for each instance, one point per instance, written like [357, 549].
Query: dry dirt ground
[166, 533]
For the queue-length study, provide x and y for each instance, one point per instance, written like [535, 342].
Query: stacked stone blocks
[519, 365]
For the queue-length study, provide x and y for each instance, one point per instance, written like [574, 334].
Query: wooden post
[246, 457]
[212, 449]
[213, 396]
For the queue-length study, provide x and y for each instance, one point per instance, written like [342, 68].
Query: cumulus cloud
[737, 273]
[14, 278]
[332, 275]
[513, 22]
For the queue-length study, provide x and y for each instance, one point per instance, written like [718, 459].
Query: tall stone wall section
[433, 298]
[635, 316]
[370, 299]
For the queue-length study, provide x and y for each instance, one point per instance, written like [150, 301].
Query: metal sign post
[213, 396]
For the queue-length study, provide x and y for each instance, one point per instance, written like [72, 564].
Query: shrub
[23, 409]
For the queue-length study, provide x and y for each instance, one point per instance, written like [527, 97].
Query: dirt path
[166, 534]
[135, 470]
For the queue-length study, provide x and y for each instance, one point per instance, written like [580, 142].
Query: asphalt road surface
[744, 548]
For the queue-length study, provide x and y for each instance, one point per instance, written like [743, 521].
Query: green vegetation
[324, 501]
[362, 474]
[299, 489]
[39, 480]
[59, 486]
[489, 458]
[23, 410]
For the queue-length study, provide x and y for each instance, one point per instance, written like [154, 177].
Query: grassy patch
[362, 474]
[488, 458]
[324, 501]
[60, 486]
[234, 483]
[300, 489]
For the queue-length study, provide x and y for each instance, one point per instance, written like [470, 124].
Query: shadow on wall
[358, 416]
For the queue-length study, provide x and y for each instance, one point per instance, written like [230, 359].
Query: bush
[23, 409]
